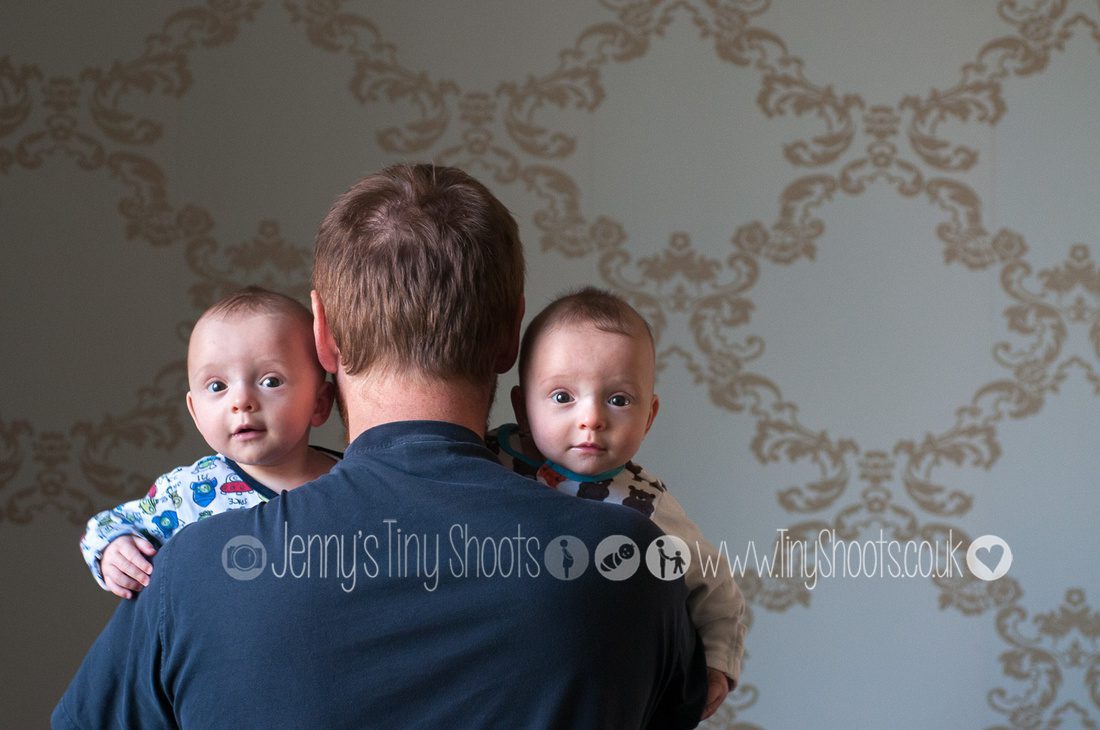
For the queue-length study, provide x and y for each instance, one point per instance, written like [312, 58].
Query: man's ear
[323, 407]
[327, 352]
[653, 412]
[507, 357]
[519, 409]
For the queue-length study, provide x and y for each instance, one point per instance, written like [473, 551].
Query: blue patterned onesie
[212, 485]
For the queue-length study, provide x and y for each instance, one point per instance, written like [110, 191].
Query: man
[414, 584]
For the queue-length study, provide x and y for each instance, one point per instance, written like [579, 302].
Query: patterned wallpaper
[880, 133]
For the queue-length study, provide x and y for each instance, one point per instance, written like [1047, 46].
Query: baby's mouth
[245, 432]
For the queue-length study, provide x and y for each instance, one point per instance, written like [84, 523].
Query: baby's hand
[125, 567]
[718, 686]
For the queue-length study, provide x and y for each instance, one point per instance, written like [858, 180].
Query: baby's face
[255, 386]
[589, 396]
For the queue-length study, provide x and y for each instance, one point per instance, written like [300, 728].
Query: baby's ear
[326, 394]
[191, 408]
[519, 408]
[653, 412]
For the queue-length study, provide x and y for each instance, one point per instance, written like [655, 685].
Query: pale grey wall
[864, 226]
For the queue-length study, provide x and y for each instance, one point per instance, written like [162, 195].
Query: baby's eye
[271, 381]
[561, 397]
[216, 386]
[619, 400]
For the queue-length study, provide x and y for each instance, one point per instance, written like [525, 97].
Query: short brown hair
[603, 310]
[420, 267]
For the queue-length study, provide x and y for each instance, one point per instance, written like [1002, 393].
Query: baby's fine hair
[257, 300]
[603, 310]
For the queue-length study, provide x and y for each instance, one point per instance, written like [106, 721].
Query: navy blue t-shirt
[419, 583]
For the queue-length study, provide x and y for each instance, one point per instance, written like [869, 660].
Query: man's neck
[373, 399]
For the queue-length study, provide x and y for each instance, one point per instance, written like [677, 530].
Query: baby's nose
[592, 417]
[244, 403]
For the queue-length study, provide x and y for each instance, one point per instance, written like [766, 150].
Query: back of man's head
[420, 269]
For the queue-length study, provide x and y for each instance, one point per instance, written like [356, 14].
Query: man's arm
[684, 696]
[715, 602]
[120, 682]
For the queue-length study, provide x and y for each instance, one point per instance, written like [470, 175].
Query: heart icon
[988, 557]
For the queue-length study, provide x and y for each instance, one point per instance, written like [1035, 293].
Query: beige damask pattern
[1063, 642]
[504, 134]
[88, 118]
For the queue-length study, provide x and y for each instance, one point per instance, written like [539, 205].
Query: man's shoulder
[613, 516]
[551, 505]
[539, 504]
[215, 529]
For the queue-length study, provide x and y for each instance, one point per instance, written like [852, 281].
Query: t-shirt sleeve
[680, 703]
[714, 601]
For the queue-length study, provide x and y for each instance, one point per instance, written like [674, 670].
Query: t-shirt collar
[398, 433]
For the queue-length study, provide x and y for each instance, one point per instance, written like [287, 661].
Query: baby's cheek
[544, 441]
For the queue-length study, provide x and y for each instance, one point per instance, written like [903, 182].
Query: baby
[255, 390]
[584, 404]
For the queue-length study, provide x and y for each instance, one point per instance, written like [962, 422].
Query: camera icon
[244, 557]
